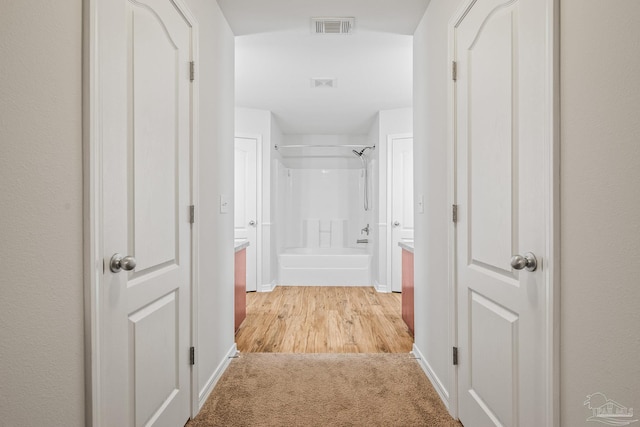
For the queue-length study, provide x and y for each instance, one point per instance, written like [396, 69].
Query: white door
[144, 327]
[401, 204]
[246, 203]
[501, 132]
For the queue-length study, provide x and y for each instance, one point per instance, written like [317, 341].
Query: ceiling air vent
[332, 25]
[324, 82]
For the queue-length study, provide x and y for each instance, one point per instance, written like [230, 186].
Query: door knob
[252, 223]
[396, 224]
[527, 261]
[119, 262]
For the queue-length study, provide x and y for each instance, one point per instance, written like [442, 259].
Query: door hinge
[455, 356]
[454, 70]
[192, 71]
[192, 356]
[192, 214]
[454, 213]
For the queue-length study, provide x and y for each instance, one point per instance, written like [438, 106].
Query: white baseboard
[268, 287]
[213, 380]
[437, 384]
[383, 289]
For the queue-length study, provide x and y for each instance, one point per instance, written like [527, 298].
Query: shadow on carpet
[272, 389]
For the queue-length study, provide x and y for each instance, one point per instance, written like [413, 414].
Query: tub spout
[362, 241]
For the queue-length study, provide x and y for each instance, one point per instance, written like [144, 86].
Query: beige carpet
[272, 389]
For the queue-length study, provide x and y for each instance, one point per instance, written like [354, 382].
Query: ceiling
[277, 56]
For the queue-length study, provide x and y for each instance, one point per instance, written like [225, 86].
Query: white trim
[215, 377]
[438, 385]
[266, 235]
[552, 175]
[383, 289]
[195, 194]
[92, 183]
[552, 219]
[268, 287]
[452, 198]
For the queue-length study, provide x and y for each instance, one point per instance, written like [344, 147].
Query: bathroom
[329, 210]
[323, 153]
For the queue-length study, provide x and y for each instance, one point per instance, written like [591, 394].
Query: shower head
[361, 152]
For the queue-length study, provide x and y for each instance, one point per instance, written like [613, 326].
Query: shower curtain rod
[277, 147]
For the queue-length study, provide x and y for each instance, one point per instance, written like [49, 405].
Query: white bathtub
[324, 267]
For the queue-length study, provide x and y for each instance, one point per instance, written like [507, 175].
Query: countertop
[407, 245]
[241, 244]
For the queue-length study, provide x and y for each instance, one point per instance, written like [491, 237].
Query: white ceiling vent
[324, 83]
[332, 25]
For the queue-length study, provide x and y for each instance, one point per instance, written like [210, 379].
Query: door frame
[259, 201]
[94, 257]
[552, 208]
[390, 139]
[259, 195]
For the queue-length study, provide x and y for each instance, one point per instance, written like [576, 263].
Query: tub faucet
[365, 230]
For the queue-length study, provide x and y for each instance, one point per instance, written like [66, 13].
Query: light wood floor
[306, 319]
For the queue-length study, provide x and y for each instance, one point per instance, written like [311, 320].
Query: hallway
[323, 356]
[309, 319]
[324, 390]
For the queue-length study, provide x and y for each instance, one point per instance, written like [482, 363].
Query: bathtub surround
[321, 186]
[324, 266]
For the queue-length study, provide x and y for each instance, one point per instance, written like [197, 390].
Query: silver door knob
[119, 263]
[252, 223]
[527, 261]
[396, 224]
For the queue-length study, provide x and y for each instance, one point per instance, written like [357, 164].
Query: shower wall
[325, 207]
[321, 193]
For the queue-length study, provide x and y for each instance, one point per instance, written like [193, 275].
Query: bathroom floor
[321, 319]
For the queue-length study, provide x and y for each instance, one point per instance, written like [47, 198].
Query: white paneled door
[246, 203]
[401, 204]
[144, 313]
[502, 131]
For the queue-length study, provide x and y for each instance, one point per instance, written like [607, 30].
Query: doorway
[246, 203]
[503, 206]
[140, 169]
[400, 203]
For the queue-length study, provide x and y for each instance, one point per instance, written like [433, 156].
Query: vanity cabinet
[408, 303]
[240, 286]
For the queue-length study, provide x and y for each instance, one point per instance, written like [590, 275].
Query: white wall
[41, 303]
[390, 122]
[276, 139]
[600, 204]
[431, 71]
[216, 257]
[373, 138]
[41, 309]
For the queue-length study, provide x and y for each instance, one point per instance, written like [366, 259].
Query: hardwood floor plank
[309, 319]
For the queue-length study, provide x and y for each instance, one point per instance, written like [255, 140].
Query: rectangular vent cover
[324, 82]
[332, 25]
